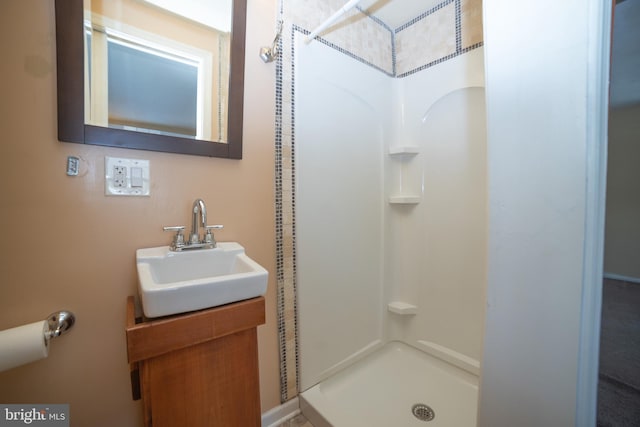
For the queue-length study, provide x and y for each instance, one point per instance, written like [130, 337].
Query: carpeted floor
[619, 385]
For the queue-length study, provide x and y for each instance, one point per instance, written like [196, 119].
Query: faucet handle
[208, 238]
[174, 228]
[178, 239]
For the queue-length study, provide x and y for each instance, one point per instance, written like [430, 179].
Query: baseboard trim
[278, 415]
[621, 277]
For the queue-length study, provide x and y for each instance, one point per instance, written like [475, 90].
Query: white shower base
[380, 390]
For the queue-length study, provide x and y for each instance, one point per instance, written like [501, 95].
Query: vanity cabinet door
[211, 384]
[198, 369]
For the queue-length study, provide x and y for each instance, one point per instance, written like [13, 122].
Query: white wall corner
[546, 109]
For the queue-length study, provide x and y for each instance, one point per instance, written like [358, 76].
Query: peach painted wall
[67, 246]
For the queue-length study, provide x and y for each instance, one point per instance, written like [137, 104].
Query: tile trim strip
[458, 26]
[280, 237]
[440, 60]
[424, 14]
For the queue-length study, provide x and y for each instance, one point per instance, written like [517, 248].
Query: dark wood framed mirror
[71, 75]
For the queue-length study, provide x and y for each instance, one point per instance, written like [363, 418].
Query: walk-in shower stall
[390, 235]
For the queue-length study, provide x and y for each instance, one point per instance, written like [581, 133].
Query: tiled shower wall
[355, 34]
[442, 32]
[447, 30]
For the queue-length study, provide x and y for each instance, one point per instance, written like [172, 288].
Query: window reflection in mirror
[158, 66]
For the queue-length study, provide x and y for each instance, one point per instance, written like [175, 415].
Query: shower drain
[423, 412]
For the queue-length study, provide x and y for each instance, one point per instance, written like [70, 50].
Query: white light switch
[126, 177]
[136, 177]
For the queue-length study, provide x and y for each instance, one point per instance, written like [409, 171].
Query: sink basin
[177, 282]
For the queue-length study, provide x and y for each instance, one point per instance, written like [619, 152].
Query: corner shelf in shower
[403, 150]
[402, 308]
[404, 200]
[403, 156]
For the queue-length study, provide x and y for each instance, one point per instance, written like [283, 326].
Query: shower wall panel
[341, 121]
[436, 249]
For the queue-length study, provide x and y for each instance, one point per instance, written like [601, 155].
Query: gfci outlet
[126, 177]
[119, 176]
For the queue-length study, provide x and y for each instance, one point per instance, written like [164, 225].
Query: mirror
[192, 101]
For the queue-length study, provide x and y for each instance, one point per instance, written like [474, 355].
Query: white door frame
[596, 163]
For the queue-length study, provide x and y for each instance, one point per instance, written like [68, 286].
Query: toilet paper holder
[59, 323]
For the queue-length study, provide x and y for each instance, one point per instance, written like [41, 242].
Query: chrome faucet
[199, 218]
[198, 209]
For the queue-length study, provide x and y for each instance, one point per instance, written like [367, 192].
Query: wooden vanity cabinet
[199, 368]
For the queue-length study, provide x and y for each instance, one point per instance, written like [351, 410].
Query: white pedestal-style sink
[177, 282]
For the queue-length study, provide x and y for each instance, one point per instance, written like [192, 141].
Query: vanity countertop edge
[147, 338]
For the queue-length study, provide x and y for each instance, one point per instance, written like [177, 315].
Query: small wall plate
[73, 165]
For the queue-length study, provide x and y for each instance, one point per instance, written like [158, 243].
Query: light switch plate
[118, 177]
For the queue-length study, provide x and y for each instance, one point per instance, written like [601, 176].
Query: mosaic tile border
[458, 26]
[440, 60]
[285, 172]
[279, 233]
[424, 14]
[285, 218]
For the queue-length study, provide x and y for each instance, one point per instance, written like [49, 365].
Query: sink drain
[423, 412]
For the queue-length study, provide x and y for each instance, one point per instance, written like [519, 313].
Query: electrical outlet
[119, 176]
[126, 177]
